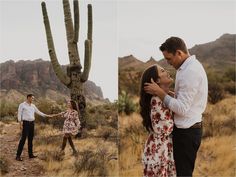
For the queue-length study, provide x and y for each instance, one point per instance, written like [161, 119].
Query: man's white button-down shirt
[26, 112]
[191, 89]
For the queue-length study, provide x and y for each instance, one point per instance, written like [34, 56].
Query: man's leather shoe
[18, 158]
[32, 156]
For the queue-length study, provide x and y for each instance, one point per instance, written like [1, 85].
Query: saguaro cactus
[73, 78]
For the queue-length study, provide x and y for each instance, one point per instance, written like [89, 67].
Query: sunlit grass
[217, 153]
[103, 152]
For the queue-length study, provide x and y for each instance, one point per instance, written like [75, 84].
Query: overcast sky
[22, 36]
[144, 25]
[120, 28]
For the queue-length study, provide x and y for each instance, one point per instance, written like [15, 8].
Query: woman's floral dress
[157, 157]
[71, 123]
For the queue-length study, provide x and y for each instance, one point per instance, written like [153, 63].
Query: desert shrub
[219, 119]
[49, 107]
[44, 106]
[129, 81]
[125, 104]
[222, 81]
[101, 115]
[4, 165]
[114, 122]
[57, 122]
[91, 123]
[49, 140]
[230, 87]
[215, 92]
[94, 163]
[107, 132]
[230, 74]
[8, 109]
[52, 156]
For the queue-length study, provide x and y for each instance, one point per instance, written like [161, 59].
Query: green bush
[101, 115]
[49, 107]
[8, 108]
[125, 104]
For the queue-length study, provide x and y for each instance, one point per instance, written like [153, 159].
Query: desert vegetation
[98, 147]
[216, 156]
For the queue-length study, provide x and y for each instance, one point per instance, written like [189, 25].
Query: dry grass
[4, 165]
[102, 160]
[220, 119]
[132, 139]
[216, 156]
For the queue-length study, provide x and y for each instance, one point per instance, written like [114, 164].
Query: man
[191, 90]
[26, 118]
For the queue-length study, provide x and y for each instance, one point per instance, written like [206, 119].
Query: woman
[71, 125]
[158, 120]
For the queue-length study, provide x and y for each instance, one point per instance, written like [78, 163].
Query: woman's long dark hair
[74, 105]
[145, 98]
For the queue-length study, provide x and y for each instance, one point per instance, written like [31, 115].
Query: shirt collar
[187, 62]
[28, 103]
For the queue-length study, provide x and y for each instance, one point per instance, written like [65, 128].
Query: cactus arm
[68, 21]
[88, 46]
[72, 46]
[76, 21]
[56, 66]
[87, 61]
[76, 30]
[90, 22]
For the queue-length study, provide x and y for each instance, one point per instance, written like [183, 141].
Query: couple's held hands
[52, 115]
[154, 89]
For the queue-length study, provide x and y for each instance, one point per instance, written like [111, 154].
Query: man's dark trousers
[186, 143]
[27, 132]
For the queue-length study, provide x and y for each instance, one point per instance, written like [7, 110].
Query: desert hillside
[97, 147]
[216, 156]
[217, 57]
[37, 76]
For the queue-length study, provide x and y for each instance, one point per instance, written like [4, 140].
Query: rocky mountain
[217, 55]
[39, 78]
[129, 62]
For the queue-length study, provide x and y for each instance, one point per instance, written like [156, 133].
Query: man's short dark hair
[172, 44]
[29, 95]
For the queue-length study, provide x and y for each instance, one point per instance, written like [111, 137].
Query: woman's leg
[64, 142]
[72, 145]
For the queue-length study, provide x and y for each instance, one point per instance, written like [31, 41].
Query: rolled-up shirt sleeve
[20, 112]
[39, 112]
[188, 88]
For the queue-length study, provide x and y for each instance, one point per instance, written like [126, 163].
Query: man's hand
[171, 93]
[154, 89]
[50, 116]
[21, 125]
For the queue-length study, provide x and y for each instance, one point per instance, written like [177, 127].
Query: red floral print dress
[158, 157]
[71, 123]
